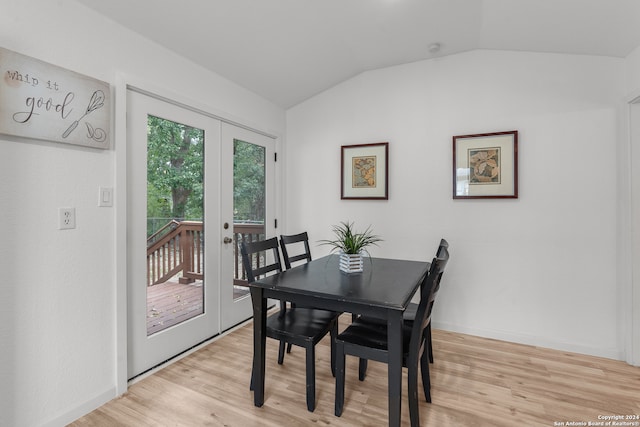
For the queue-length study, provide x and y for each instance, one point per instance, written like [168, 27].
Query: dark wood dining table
[383, 290]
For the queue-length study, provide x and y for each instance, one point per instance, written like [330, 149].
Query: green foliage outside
[175, 175]
[248, 181]
[175, 165]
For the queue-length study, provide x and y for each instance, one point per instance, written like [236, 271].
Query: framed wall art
[42, 101]
[485, 166]
[365, 171]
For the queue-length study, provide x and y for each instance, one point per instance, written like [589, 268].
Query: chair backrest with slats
[293, 242]
[430, 288]
[247, 249]
[443, 246]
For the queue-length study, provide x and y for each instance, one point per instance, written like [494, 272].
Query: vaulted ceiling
[289, 50]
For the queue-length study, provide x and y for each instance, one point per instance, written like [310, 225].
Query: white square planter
[351, 263]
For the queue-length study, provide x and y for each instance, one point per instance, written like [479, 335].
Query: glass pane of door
[248, 203]
[175, 212]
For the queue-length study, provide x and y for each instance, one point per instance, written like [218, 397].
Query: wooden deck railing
[179, 247]
[246, 233]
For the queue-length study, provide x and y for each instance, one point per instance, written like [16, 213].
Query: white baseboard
[609, 353]
[81, 409]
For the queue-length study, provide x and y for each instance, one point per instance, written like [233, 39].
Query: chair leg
[281, 352]
[426, 380]
[289, 347]
[428, 331]
[311, 378]
[251, 383]
[362, 369]
[340, 362]
[412, 377]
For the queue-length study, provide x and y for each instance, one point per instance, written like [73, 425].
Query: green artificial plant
[349, 241]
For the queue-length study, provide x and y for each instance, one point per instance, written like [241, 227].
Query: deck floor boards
[171, 302]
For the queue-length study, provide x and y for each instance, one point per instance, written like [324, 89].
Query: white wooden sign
[42, 101]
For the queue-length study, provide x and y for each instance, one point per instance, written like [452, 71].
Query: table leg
[259, 344]
[394, 335]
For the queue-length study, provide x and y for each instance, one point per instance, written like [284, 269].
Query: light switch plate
[106, 197]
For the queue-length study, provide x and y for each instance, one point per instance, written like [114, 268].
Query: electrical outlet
[66, 218]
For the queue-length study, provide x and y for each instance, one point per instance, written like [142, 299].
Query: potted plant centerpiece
[351, 245]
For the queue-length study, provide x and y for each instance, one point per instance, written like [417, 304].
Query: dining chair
[368, 340]
[304, 327]
[407, 317]
[410, 313]
[304, 254]
[298, 242]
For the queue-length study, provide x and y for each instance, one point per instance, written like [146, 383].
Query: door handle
[227, 240]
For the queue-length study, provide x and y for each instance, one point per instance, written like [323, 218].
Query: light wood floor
[475, 382]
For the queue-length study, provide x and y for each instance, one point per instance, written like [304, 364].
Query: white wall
[58, 315]
[630, 291]
[632, 67]
[540, 269]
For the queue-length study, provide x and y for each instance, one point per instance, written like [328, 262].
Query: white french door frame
[123, 83]
[147, 351]
[234, 311]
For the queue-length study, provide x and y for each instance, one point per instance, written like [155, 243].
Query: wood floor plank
[476, 382]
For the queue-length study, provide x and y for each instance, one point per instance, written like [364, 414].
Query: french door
[196, 187]
[247, 211]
